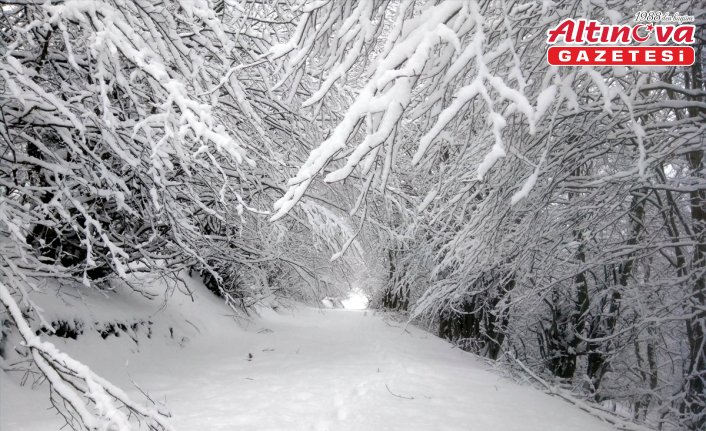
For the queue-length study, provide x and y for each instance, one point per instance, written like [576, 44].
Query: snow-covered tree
[549, 216]
[143, 137]
[562, 207]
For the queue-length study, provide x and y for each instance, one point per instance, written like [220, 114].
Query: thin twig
[398, 396]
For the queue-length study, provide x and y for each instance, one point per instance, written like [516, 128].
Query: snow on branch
[442, 51]
[85, 400]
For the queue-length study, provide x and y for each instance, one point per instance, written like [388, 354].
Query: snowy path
[326, 370]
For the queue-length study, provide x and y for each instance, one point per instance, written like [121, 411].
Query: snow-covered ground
[301, 369]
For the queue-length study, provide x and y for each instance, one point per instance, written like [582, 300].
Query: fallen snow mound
[294, 369]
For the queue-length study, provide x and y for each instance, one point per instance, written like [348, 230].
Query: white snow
[428, 199]
[544, 100]
[301, 369]
[356, 300]
[526, 188]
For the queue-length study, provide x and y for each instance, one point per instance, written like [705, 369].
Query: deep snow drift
[296, 369]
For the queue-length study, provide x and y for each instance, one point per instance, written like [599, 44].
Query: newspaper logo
[583, 42]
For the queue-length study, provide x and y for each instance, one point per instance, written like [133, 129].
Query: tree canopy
[552, 217]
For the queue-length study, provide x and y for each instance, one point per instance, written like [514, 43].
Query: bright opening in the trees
[356, 300]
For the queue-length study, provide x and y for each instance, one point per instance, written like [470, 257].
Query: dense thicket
[144, 137]
[551, 217]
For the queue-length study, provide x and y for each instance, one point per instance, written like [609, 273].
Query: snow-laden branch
[442, 51]
[87, 401]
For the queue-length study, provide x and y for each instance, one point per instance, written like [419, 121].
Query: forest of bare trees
[553, 218]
